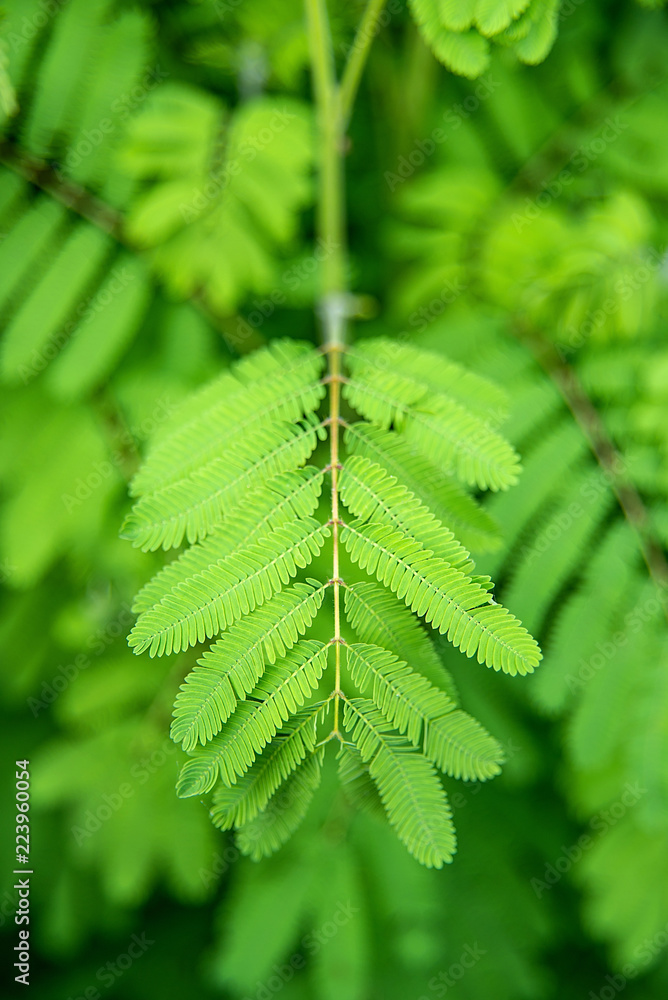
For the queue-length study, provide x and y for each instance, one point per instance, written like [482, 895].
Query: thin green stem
[334, 105]
[334, 393]
[352, 74]
[331, 228]
[330, 203]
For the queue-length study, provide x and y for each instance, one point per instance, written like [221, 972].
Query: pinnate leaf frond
[455, 742]
[228, 476]
[280, 693]
[284, 498]
[442, 494]
[193, 506]
[449, 600]
[271, 828]
[240, 803]
[278, 383]
[414, 800]
[370, 494]
[207, 603]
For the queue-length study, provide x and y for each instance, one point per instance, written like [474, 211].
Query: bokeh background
[156, 222]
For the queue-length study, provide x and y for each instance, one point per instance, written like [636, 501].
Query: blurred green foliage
[156, 221]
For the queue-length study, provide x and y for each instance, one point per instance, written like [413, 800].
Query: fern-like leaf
[271, 828]
[444, 497]
[449, 600]
[193, 506]
[232, 667]
[441, 428]
[377, 618]
[240, 803]
[282, 690]
[451, 739]
[204, 605]
[371, 495]
[228, 475]
[415, 803]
